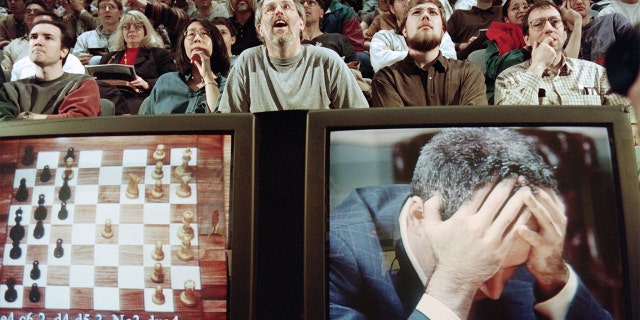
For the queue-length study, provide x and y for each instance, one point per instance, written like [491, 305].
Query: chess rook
[133, 192]
[188, 296]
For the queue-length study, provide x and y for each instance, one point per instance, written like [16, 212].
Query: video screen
[106, 227]
[374, 268]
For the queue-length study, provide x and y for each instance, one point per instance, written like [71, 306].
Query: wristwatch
[26, 115]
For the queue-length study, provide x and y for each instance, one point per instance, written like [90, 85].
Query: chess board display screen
[127, 227]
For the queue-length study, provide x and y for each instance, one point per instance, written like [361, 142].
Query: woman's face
[133, 32]
[516, 11]
[197, 40]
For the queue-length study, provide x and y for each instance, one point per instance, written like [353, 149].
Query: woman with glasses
[506, 41]
[203, 64]
[136, 44]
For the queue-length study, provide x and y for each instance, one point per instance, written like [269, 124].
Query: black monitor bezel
[240, 126]
[321, 123]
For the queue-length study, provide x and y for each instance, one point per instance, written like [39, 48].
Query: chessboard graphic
[132, 223]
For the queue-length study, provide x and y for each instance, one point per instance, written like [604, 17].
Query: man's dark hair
[411, 4]
[539, 5]
[66, 41]
[222, 21]
[458, 161]
[505, 7]
[38, 2]
[53, 16]
[622, 61]
[219, 58]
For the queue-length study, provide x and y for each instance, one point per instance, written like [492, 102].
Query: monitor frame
[322, 122]
[240, 126]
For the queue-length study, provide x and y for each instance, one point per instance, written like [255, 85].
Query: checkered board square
[110, 274]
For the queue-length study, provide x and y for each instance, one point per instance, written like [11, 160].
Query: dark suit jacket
[150, 63]
[359, 287]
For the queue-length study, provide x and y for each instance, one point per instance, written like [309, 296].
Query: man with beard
[243, 19]
[549, 77]
[425, 77]
[283, 74]
[51, 93]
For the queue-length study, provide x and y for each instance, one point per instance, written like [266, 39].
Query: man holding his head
[425, 77]
[51, 93]
[283, 74]
[481, 235]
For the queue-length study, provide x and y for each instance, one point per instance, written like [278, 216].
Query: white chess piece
[188, 297]
[187, 219]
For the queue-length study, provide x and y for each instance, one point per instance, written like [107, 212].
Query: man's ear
[404, 32]
[415, 216]
[526, 41]
[259, 29]
[65, 53]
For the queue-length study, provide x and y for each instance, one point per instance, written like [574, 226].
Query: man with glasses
[549, 77]
[12, 26]
[109, 13]
[283, 74]
[19, 47]
[425, 77]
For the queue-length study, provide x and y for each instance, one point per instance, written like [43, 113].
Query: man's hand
[471, 246]
[139, 5]
[464, 45]
[85, 58]
[542, 55]
[546, 262]
[574, 19]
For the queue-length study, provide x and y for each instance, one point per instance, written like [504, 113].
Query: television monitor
[589, 148]
[127, 218]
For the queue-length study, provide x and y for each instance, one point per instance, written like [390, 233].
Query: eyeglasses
[128, 26]
[190, 35]
[106, 6]
[310, 3]
[538, 24]
[34, 11]
[270, 9]
[518, 8]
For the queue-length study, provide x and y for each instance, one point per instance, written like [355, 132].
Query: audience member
[202, 65]
[598, 33]
[109, 13]
[465, 26]
[12, 26]
[549, 77]
[52, 93]
[506, 41]
[384, 21]
[19, 47]
[79, 16]
[228, 32]
[283, 74]
[25, 68]
[628, 8]
[137, 44]
[243, 19]
[165, 17]
[425, 77]
[480, 234]
[389, 46]
[207, 9]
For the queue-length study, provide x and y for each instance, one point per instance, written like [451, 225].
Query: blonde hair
[151, 37]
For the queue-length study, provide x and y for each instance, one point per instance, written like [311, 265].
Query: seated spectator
[243, 19]
[207, 9]
[19, 48]
[228, 32]
[390, 46]
[628, 8]
[52, 93]
[384, 21]
[13, 26]
[25, 68]
[506, 41]
[168, 19]
[202, 65]
[464, 26]
[109, 13]
[137, 44]
[79, 16]
[598, 33]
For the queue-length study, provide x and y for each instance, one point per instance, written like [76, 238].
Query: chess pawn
[58, 252]
[187, 218]
[11, 294]
[22, 194]
[158, 296]
[45, 176]
[133, 191]
[28, 157]
[159, 154]
[16, 251]
[107, 232]
[185, 252]
[17, 231]
[34, 294]
[158, 273]
[68, 172]
[188, 296]
[35, 271]
[65, 191]
[157, 253]
[38, 231]
[184, 190]
[63, 214]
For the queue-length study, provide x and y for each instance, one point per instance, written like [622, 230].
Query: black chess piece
[28, 157]
[45, 176]
[63, 213]
[65, 191]
[35, 271]
[22, 194]
[34, 294]
[70, 154]
[17, 231]
[16, 251]
[11, 294]
[41, 211]
[38, 231]
[58, 252]
[41, 200]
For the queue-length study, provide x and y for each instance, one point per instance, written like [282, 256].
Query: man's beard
[281, 38]
[424, 41]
